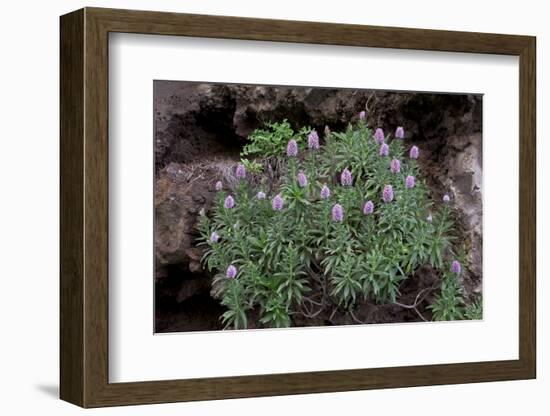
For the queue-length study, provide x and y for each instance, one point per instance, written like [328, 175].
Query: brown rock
[464, 181]
[181, 191]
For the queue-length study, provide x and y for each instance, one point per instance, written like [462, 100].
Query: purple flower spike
[325, 192]
[387, 193]
[395, 166]
[446, 198]
[214, 237]
[229, 202]
[337, 213]
[379, 136]
[345, 178]
[399, 133]
[261, 195]
[409, 182]
[429, 218]
[362, 115]
[277, 203]
[456, 267]
[292, 148]
[414, 152]
[231, 272]
[368, 208]
[240, 172]
[313, 140]
[302, 179]
[384, 150]
[218, 186]
[327, 131]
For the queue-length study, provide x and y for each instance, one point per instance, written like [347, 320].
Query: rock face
[200, 129]
[464, 181]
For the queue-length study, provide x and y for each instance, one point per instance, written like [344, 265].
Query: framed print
[255, 207]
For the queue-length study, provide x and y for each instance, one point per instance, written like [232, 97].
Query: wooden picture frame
[84, 207]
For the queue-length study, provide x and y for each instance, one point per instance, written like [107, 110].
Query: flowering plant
[329, 223]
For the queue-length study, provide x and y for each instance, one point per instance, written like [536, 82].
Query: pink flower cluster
[240, 171]
[379, 136]
[302, 179]
[345, 178]
[292, 148]
[337, 213]
[387, 194]
[313, 140]
[277, 203]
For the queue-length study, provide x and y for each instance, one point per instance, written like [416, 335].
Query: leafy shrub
[252, 166]
[474, 311]
[449, 305]
[324, 226]
[272, 141]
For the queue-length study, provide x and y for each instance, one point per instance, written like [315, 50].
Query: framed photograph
[255, 207]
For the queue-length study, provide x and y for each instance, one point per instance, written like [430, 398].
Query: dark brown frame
[84, 208]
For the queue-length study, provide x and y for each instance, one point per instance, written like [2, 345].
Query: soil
[199, 131]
